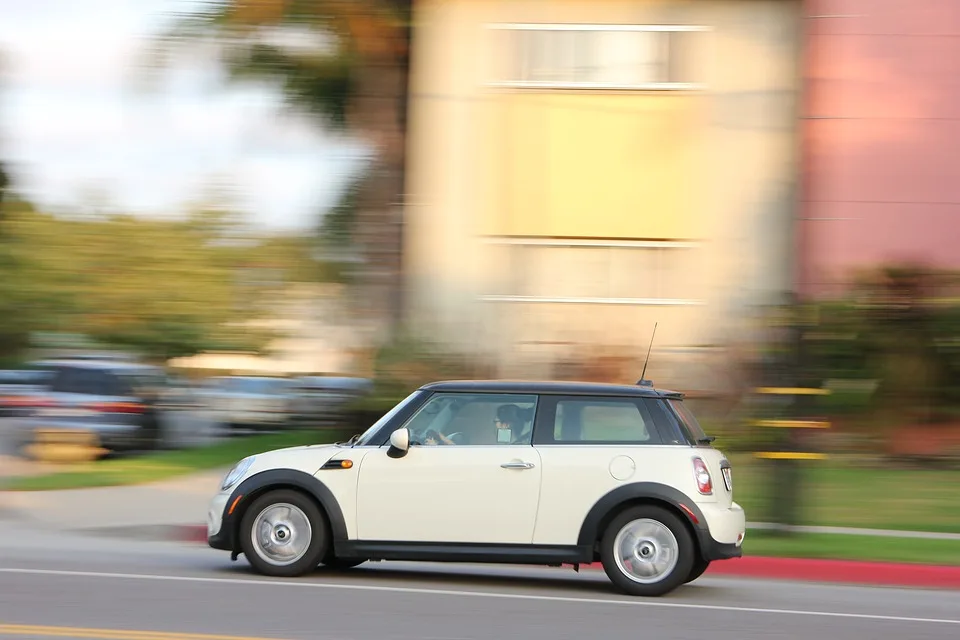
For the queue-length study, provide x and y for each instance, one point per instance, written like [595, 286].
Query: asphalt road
[69, 586]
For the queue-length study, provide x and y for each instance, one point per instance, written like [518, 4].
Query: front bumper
[219, 536]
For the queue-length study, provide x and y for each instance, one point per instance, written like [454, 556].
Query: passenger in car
[510, 424]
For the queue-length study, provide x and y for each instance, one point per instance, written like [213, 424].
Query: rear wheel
[699, 566]
[647, 551]
[284, 534]
[342, 564]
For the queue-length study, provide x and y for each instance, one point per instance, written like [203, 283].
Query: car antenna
[642, 381]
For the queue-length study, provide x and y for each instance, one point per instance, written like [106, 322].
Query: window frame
[568, 85]
[543, 430]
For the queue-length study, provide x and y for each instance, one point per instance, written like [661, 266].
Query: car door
[483, 488]
[589, 446]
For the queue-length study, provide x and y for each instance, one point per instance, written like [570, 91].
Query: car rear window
[688, 420]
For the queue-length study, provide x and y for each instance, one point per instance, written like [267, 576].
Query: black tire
[316, 547]
[343, 564]
[676, 576]
[699, 566]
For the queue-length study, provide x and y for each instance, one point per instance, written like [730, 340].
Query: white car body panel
[449, 494]
[576, 477]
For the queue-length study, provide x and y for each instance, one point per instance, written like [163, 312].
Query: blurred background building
[580, 170]
[881, 114]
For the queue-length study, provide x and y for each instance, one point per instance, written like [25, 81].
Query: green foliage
[405, 364]
[344, 63]
[163, 288]
[901, 327]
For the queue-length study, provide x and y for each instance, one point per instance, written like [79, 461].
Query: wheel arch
[275, 479]
[635, 494]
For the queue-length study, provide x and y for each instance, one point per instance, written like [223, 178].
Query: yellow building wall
[714, 166]
[607, 166]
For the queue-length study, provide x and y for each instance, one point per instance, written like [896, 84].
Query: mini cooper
[552, 473]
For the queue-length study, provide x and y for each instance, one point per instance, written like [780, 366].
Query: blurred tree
[161, 288]
[346, 63]
[4, 184]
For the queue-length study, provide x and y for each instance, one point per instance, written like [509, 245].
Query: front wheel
[284, 534]
[647, 551]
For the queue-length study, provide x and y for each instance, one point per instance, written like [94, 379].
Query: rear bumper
[712, 550]
[722, 537]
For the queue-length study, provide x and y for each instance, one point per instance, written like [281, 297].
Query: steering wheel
[456, 438]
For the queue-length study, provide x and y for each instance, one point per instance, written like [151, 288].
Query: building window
[595, 271]
[618, 57]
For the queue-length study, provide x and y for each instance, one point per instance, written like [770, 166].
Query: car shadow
[496, 578]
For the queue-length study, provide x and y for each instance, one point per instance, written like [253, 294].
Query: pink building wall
[881, 137]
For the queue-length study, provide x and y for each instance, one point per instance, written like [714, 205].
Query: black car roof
[549, 387]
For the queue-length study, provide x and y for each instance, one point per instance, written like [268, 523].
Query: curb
[888, 574]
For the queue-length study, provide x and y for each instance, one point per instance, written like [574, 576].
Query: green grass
[844, 547]
[846, 495]
[167, 464]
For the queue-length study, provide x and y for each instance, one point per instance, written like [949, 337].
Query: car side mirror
[399, 443]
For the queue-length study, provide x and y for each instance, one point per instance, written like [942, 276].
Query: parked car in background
[322, 399]
[252, 402]
[17, 387]
[118, 404]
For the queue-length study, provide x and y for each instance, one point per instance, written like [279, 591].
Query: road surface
[59, 585]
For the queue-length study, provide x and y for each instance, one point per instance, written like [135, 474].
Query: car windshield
[364, 439]
[689, 420]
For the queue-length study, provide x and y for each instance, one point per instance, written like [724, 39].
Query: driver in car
[509, 422]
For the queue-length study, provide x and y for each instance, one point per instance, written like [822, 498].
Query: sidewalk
[175, 510]
[173, 503]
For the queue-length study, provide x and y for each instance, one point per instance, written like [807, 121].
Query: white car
[496, 472]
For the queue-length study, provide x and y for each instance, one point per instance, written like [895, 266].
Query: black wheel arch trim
[255, 485]
[612, 501]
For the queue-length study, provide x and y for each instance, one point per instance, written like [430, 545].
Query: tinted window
[688, 419]
[667, 423]
[86, 381]
[602, 420]
[254, 385]
[474, 419]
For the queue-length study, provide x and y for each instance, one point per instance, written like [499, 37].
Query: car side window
[474, 419]
[597, 420]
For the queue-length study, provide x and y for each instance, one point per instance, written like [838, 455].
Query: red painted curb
[191, 533]
[844, 571]
[838, 571]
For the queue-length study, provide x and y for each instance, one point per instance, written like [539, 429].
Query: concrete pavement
[179, 501]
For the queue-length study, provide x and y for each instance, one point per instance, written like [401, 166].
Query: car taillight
[116, 407]
[702, 474]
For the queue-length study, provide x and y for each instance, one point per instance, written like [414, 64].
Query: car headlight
[234, 475]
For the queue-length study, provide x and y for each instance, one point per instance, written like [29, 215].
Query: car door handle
[517, 464]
